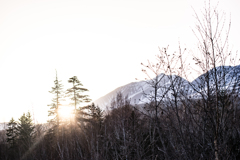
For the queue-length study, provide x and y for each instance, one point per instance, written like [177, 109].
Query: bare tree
[219, 82]
[166, 86]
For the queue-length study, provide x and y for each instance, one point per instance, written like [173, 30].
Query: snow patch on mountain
[135, 90]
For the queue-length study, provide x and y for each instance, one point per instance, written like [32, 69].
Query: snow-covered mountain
[137, 91]
[226, 76]
[140, 92]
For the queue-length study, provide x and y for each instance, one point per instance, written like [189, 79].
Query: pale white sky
[102, 42]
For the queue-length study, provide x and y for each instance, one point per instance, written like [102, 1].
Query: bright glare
[75, 36]
[66, 112]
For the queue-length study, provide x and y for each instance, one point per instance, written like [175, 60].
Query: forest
[173, 124]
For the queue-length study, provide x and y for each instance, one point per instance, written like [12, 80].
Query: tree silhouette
[75, 93]
[25, 132]
[12, 138]
[57, 90]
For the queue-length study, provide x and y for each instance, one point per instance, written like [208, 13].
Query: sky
[102, 42]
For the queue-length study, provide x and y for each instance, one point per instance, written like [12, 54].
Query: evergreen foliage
[25, 131]
[57, 90]
[91, 114]
[12, 138]
[75, 92]
[12, 133]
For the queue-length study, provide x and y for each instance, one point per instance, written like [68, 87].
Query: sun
[66, 112]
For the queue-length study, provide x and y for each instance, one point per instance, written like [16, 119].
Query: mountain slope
[136, 91]
[227, 77]
[142, 91]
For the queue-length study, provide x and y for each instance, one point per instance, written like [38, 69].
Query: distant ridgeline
[142, 92]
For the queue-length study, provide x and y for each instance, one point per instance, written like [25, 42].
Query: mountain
[136, 91]
[142, 91]
[226, 75]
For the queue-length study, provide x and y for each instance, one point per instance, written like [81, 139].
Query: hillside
[137, 91]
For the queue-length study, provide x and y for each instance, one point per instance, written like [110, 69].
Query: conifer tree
[25, 131]
[94, 114]
[57, 90]
[11, 132]
[75, 93]
[12, 138]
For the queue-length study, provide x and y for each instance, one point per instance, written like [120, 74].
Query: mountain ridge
[135, 90]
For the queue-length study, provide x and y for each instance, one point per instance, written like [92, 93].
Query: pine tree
[12, 138]
[25, 131]
[75, 93]
[92, 114]
[11, 133]
[96, 115]
[58, 93]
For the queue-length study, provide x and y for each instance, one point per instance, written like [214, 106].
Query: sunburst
[66, 112]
